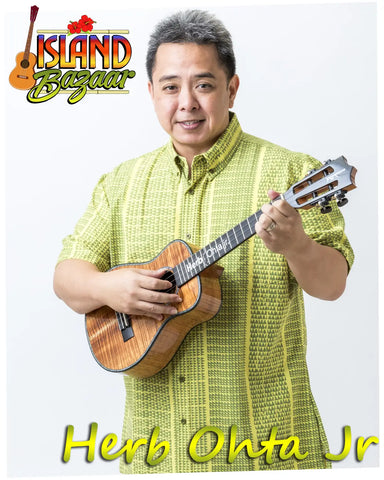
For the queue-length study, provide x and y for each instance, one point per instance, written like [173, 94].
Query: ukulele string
[169, 276]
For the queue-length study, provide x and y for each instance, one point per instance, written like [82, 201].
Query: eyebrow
[165, 78]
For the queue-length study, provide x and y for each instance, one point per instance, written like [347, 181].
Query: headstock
[34, 11]
[333, 180]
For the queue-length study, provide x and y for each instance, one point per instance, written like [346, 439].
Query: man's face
[191, 95]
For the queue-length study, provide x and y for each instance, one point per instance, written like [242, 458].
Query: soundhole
[24, 63]
[170, 277]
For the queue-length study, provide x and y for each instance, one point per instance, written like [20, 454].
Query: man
[246, 366]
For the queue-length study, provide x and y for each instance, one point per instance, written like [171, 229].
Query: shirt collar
[216, 158]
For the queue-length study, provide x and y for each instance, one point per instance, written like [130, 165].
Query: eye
[204, 86]
[169, 88]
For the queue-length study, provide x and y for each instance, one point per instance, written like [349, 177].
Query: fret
[234, 232]
[249, 224]
[237, 234]
[180, 277]
[200, 255]
[242, 231]
[211, 253]
[248, 227]
[229, 240]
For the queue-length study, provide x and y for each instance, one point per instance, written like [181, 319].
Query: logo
[75, 61]
[213, 253]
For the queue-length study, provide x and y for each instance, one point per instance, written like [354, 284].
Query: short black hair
[193, 26]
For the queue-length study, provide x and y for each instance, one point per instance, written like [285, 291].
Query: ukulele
[21, 76]
[140, 346]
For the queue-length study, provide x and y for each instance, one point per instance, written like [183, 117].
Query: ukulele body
[21, 76]
[154, 343]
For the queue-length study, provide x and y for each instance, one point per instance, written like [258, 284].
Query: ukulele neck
[214, 251]
[29, 41]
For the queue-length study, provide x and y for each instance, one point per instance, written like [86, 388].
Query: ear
[233, 86]
[150, 89]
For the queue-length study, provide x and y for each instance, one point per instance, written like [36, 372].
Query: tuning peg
[341, 200]
[325, 207]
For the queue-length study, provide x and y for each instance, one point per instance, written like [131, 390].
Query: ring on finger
[271, 226]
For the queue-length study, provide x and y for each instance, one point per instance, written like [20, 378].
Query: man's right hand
[128, 290]
[137, 291]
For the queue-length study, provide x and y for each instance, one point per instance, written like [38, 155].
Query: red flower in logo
[85, 24]
[74, 27]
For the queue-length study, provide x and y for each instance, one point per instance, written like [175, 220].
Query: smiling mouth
[190, 123]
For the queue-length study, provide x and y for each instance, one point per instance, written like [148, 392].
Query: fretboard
[211, 253]
[28, 43]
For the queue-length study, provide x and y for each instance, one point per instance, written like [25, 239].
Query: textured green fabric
[246, 366]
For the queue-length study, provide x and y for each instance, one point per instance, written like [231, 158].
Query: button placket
[181, 394]
[187, 409]
[188, 210]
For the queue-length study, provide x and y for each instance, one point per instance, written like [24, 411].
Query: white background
[308, 82]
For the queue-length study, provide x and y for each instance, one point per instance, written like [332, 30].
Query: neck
[211, 253]
[29, 40]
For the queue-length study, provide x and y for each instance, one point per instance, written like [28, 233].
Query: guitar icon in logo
[21, 76]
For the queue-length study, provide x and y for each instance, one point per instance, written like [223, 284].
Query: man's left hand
[280, 227]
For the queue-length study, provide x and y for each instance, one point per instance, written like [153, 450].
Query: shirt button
[188, 236]
[191, 191]
[182, 379]
[183, 421]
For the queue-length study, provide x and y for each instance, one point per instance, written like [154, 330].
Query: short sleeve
[327, 229]
[90, 240]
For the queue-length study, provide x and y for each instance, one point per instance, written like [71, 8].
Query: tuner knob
[341, 200]
[325, 207]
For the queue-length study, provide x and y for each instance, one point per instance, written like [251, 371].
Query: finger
[154, 296]
[156, 309]
[282, 205]
[151, 273]
[273, 213]
[272, 194]
[150, 280]
[265, 221]
[261, 232]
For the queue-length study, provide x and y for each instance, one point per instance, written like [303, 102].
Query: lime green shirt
[246, 367]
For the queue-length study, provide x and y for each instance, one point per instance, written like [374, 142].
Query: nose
[187, 100]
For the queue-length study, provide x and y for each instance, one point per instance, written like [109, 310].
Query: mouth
[190, 124]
